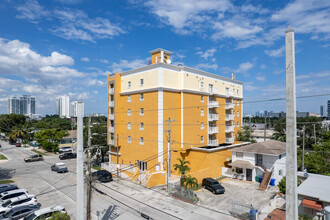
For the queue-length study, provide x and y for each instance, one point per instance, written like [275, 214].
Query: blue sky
[67, 47]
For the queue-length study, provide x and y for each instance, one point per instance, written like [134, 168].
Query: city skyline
[21, 104]
[80, 42]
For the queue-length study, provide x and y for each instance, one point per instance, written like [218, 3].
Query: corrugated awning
[242, 164]
[312, 204]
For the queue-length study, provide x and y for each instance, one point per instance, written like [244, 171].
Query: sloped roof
[270, 147]
[242, 164]
[316, 186]
[72, 134]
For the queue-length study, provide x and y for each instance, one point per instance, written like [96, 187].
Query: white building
[258, 159]
[21, 104]
[63, 107]
[73, 109]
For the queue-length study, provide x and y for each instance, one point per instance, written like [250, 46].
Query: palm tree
[16, 133]
[182, 168]
[190, 182]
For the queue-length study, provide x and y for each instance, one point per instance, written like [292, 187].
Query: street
[115, 200]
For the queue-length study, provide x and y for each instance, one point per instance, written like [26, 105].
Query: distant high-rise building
[73, 109]
[63, 106]
[321, 110]
[328, 110]
[25, 105]
[257, 114]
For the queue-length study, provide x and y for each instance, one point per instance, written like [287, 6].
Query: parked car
[18, 201]
[213, 185]
[64, 149]
[67, 156]
[7, 187]
[20, 212]
[59, 168]
[18, 145]
[102, 176]
[11, 194]
[45, 213]
[36, 157]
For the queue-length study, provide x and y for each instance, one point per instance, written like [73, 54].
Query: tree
[246, 135]
[49, 138]
[280, 131]
[281, 185]
[59, 216]
[189, 181]
[182, 167]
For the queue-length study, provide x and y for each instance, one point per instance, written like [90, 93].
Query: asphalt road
[115, 200]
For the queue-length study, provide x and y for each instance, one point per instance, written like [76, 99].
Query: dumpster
[272, 182]
[258, 179]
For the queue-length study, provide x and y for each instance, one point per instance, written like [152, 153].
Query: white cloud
[85, 59]
[244, 67]
[276, 53]
[208, 53]
[95, 82]
[325, 74]
[69, 2]
[261, 78]
[126, 65]
[207, 66]
[104, 61]
[32, 11]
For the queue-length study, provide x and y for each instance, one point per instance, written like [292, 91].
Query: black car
[7, 187]
[102, 176]
[68, 156]
[213, 185]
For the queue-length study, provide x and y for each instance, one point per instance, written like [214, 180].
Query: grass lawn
[3, 157]
[39, 152]
[6, 181]
[96, 168]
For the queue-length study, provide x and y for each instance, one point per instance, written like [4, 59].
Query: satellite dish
[168, 61]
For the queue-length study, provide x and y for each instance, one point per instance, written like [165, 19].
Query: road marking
[225, 179]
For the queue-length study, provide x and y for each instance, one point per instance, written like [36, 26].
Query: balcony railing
[230, 93]
[112, 129]
[213, 130]
[112, 142]
[111, 91]
[213, 104]
[111, 117]
[213, 117]
[229, 128]
[229, 106]
[230, 140]
[213, 143]
[229, 117]
[111, 104]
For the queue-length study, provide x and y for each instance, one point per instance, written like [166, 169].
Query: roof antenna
[232, 76]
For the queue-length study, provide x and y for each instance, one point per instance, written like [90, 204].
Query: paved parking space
[238, 191]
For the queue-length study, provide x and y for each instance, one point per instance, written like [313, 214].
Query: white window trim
[129, 98]
[202, 112]
[129, 126]
[202, 99]
[142, 143]
[141, 84]
[129, 140]
[202, 126]
[142, 128]
[141, 113]
[129, 112]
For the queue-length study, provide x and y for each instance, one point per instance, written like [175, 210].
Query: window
[141, 126]
[202, 85]
[237, 103]
[227, 91]
[129, 98]
[237, 92]
[239, 154]
[129, 139]
[280, 156]
[202, 139]
[129, 112]
[280, 172]
[129, 85]
[141, 111]
[141, 82]
[141, 165]
[210, 88]
[309, 211]
[129, 126]
[202, 112]
[202, 126]
[202, 98]
[239, 170]
[141, 141]
[237, 113]
[141, 97]
[237, 124]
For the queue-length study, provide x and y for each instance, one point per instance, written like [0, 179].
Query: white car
[18, 201]
[45, 213]
[64, 149]
[11, 194]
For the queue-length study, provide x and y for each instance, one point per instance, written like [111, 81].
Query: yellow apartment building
[206, 110]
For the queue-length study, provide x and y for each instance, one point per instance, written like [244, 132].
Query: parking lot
[239, 191]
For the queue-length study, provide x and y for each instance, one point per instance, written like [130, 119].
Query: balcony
[111, 104]
[111, 117]
[229, 117]
[112, 142]
[229, 106]
[213, 130]
[229, 129]
[213, 142]
[213, 117]
[230, 94]
[213, 104]
[230, 140]
[112, 129]
[111, 91]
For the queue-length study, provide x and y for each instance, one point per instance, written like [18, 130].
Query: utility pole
[71, 134]
[169, 156]
[80, 162]
[303, 151]
[89, 170]
[117, 157]
[314, 133]
[265, 129]
[291, 127]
